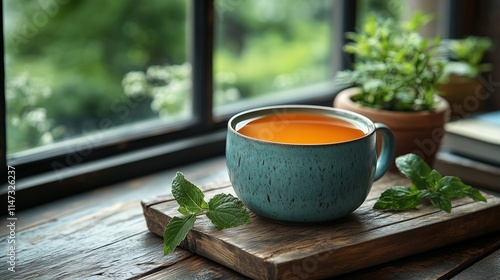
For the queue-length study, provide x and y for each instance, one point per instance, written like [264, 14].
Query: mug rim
[231, 126]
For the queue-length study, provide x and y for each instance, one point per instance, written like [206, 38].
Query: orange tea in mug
[301, 128]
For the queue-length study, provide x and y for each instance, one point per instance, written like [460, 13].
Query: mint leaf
[227, 211]
[190, 198]
[440, 202]
[426, 183]
[475, 195]
[434, 178]
[453, 187]
[415, 168]
[399, 198]
[175, 231]
[224, 210]
[184, 211]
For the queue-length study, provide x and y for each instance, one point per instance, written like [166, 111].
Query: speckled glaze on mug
[305, 182]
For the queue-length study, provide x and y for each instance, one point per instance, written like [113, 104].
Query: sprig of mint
[224, 210]
[427, 183]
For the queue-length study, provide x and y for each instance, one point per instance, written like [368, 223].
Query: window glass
[80, 70]
[385, 8]
[266, 49]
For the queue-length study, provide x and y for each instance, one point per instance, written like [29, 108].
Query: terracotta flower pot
[465, 95]
[414, 132]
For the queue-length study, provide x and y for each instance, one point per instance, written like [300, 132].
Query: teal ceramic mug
[305, 182]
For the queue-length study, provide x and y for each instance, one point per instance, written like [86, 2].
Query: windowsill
[207, 171]
[55, 185]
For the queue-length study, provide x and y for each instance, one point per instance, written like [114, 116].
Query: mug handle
[384, 160]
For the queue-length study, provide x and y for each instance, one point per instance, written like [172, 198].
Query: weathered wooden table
[103, 235]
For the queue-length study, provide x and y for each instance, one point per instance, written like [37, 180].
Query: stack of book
[471, 150]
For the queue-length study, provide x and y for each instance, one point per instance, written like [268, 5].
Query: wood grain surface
[268, 250]
[103, 235]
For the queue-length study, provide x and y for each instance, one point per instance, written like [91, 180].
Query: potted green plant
[395, 81]
[461, 79]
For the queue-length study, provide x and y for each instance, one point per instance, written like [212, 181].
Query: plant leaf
[227, 211]
[415, 168]
[475, 194]
[426, 183]
[184, 211]
[453, 187]
[440, 202]
[175, 231]
[189, 196]
[399, 198]
[434, 178]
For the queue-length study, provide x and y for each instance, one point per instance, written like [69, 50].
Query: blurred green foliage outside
[80, 51]
[72, 63]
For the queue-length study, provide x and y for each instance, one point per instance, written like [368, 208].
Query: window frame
[110, 162]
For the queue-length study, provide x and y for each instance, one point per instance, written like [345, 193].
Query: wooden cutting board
[268, 250]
